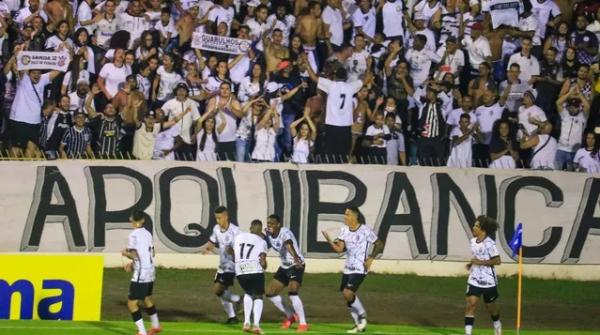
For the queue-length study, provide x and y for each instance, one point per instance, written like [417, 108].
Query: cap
[477, 26]
[531, 93]
[419, 16]
[575, 102]
[181, 85]
[79, 111]
[151, 114]
[283, 64]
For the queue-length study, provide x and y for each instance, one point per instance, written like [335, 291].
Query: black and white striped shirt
[76, 141]
[107, 134]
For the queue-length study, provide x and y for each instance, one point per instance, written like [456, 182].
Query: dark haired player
[141, 251]
[355, 238]
[289, 274]
[482, 278]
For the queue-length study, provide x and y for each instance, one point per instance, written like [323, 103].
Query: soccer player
[289, 274]
[222, 237]
[250, 252]
[141, 251]
[355, 238]
[482, 277]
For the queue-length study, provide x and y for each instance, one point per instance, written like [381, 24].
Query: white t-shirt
[372, 131]
[168, 81]
[113, 76]
[248, 249]
[264, 147]
[278, 244]
[587, 160]
[392, 18]
[140, 239]
[486, 116]
[542, 12]
[219, 14]
[357, 247]
[454, 61]
[420, 64]
[503, 12]
[460, 154]
[229, 133]
[366, 21]
[143, 141]
[333, 17]
[27, 106]
[529, 66]
[339, 101]
[174, 107]
[208, 153]
[224, 240]
[478, 50]
[302, 148]
[453, 117]
[357, 64]
[531, 112]
[481, 275]
[571, 130]
[84, 13]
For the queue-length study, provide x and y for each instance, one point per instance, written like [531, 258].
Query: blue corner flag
[517, 239]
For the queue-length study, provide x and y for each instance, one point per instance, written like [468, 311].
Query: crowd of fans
[486, 83]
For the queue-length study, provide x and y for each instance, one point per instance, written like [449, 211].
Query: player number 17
[250, 247]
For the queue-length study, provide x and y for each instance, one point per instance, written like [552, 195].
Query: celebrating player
[250, 252]
[222, 237]
[482, 279]
[141, 251]
[356, 239]
[289, 274]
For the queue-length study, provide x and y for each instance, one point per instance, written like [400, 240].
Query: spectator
[266, 132]
[376, 139]
[55, 122]
[232, 110]
[165, 81]
[573, 110]
[206, 137]
[304, 133]
[544, 147]
[431, 128]
[181, 104]
[462, 138]
[487, 115]
[478, 48]
[77, 140]
[396, 149]
[513, 89]
[528, 63]
[586, 158]
[584, 40]
[559, 40]
[504, 149]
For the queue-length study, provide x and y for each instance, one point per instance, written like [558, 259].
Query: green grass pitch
[186, 328]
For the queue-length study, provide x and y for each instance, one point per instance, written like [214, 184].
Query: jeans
[242, 150]
[564, 160]
[285, 136]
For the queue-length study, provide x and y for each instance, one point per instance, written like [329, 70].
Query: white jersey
[339, 101]
[503, 12]
[140, 239]
[587, 160]
[357, 247]
[544, 153]
[224, 240]
[248, 249]
[481, 275]
[461, 153]
[278, 244]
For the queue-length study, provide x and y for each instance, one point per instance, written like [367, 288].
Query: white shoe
[354, 330]
[362, 325]
[498, 331]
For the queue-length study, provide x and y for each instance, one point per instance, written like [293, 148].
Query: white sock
[298, 308]
[497, 324]
[278, 302]
[257, 311]
[468, 330]
[231, 297]
[247, 308]
[228, 307]
[140, 326]
[354, 315]
[358, 307]
[154, 320]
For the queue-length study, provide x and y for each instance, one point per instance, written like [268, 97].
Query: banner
[421, 213]
[51, 287]
[223, 44]
[39, 60]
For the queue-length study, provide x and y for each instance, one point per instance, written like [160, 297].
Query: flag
[517, 239]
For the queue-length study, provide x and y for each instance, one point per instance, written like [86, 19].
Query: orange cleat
[246, 328]
[257, 330]
[155, 331]
[287, 323]
[302, 328]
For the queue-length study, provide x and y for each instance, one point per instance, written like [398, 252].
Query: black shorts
[352, 281]
[285, 276]
[225, 278]
[139, 291]
[21, 133]
[490, 294]
[253, 284]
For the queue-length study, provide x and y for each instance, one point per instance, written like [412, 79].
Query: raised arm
[337, 245]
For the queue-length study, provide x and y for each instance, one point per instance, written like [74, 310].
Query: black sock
[137, 315]
[151, 310]
[496, 317]
[469, 320]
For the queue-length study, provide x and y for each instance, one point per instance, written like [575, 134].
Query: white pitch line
[219, 330]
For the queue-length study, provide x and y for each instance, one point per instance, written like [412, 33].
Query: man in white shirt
[529, 63]
[250, 252]
[176, 106]
[339, 114]
[26, 14]
[487, 114]
[452, 58]
[420, 60]
[284, 22]
[513, 88]
[357, 63]
[221, 13]
[134, 21]
[355, 238]
[258, 24]
[26, 110]
[364, 20]
[547, 14]
[466, 107]
[478, 48]
[333, 19]
[391, 12]
[140, 250]
[107, 24]
[574, 111]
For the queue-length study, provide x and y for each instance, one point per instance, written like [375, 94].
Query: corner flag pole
[519, 289]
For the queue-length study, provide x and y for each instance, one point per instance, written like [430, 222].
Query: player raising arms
[222, 237]
[355, 238]
[141, 251]
[250, 252]
[482, 277]
[289, 274]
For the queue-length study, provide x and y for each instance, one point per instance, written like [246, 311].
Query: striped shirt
[53, 129]
[107, 134]
[76, 141]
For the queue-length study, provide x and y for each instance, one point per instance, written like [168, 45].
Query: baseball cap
[575, 102]
[151, 114]
[477, 26]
